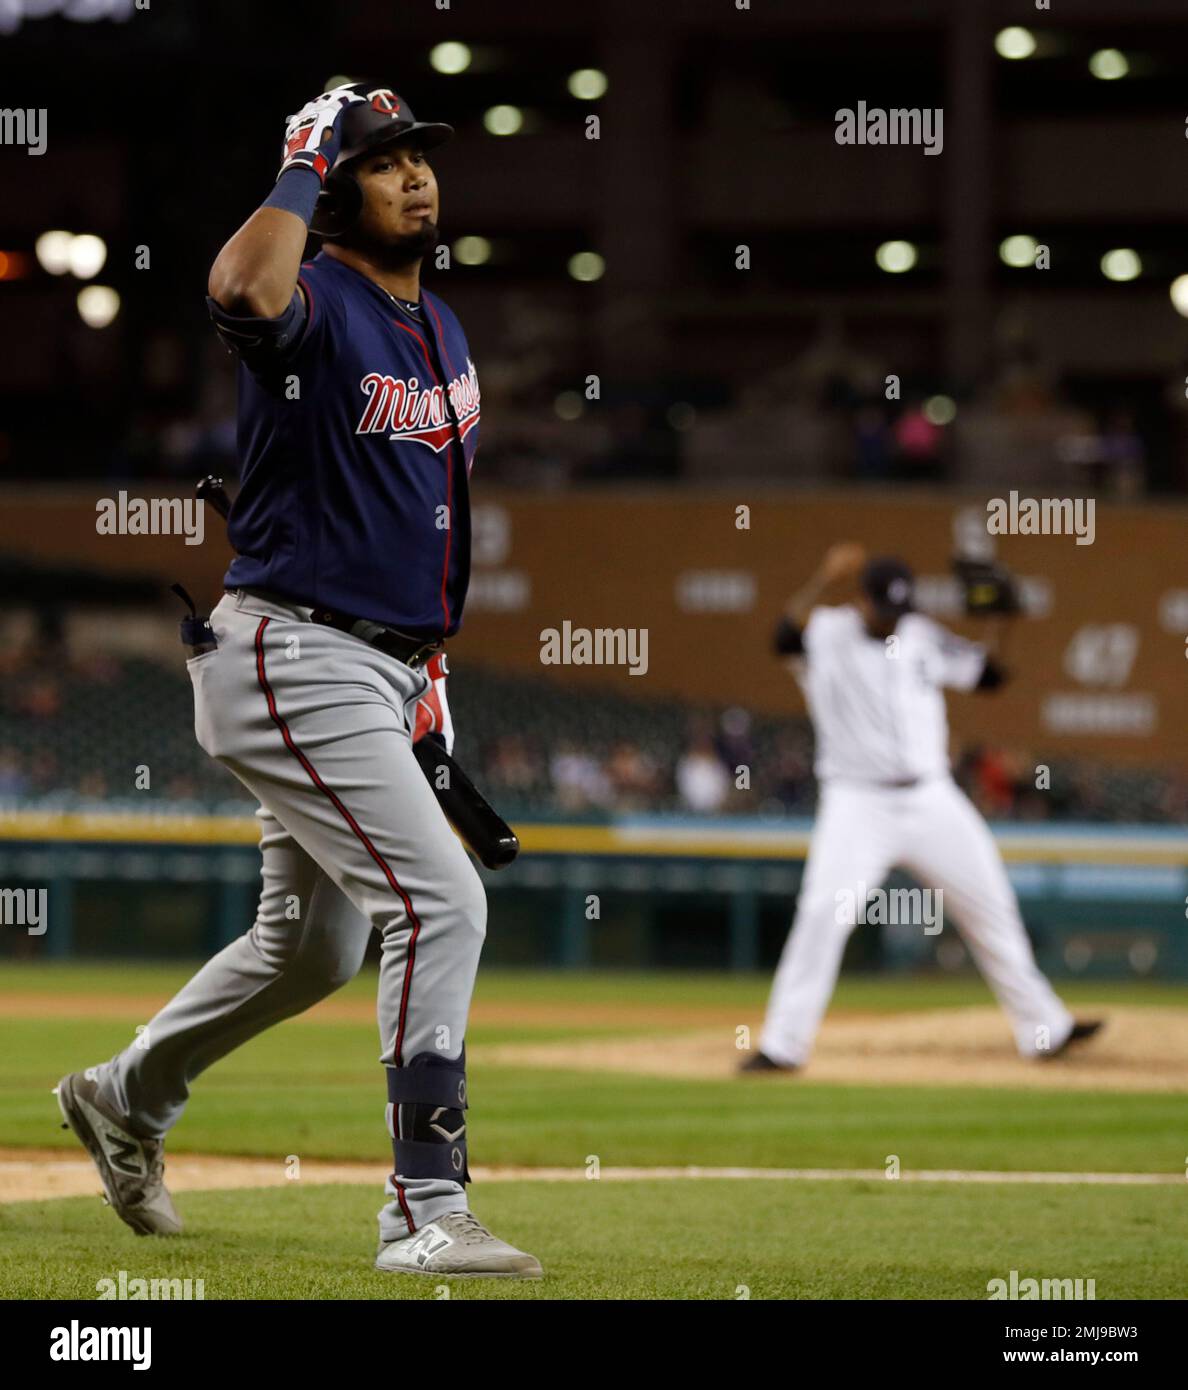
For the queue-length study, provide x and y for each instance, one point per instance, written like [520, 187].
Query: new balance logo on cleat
[122, 1153]
[426, 1245]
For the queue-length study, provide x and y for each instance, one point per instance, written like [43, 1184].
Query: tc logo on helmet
[385, 101]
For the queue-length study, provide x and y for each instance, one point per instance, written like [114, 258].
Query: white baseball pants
[934, 832]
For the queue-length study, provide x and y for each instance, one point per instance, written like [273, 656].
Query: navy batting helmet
[381, 119]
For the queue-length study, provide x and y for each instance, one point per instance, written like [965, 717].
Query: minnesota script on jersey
[356, 453]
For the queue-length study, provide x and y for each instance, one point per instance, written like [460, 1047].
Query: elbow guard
[260, 341]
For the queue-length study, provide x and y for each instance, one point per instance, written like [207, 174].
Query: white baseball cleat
[132, 1169]
[457, 1244]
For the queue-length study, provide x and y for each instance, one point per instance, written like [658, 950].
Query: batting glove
[312, 137]
[433, 710]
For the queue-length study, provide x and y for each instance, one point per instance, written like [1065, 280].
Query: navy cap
[889, 584]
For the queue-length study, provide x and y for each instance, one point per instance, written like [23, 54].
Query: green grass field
[312, 1087]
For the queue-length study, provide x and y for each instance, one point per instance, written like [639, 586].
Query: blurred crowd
[1005, 784]
[97, 728]
[717, 769]
[838, 411]
[821, 412]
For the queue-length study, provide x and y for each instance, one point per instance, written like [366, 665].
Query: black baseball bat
[468, 810]
[210, 489]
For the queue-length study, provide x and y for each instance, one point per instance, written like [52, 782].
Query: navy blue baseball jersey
[356, 443]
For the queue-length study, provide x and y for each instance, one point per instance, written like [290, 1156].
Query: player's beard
[398, 252]
[416, 245]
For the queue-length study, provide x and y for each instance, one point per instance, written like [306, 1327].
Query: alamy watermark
[151, 516]
[890, 907]
[598, 646]
[26, 127]
[25, 907]
[1042, 516]
[79, 1342]
[162, 1290]
[1025, 1289]
[901, 125]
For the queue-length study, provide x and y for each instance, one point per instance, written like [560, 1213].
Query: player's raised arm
[970, 666]
[255, 274]
[842, 563]
[996, 672]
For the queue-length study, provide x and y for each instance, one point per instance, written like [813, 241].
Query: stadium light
[940, 410]
[1018, 251]
[1179, 294]
[1108, 64]
[14, 265]
[587, 265]
[1121, 264]
[587, 84]
[53, 251]
[1014, 42]
[86, 256]
[472, 250]
[503, 120]
[97, 305]
[449, 58]
[568, 405]
[895, 257]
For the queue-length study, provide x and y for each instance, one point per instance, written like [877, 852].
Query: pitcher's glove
[989, 587]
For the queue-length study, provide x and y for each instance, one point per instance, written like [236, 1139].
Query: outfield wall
[640, 891]
[1098, 655]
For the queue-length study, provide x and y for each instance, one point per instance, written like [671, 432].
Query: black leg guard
[426, 1117]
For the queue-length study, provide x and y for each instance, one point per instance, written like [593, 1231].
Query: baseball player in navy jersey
[873, 674]
[358, 425]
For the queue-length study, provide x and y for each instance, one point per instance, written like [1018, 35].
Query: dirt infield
[28, 1175]
[1139, 1050]
[536, 1013]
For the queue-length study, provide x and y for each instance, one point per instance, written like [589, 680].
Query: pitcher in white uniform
[873, 673]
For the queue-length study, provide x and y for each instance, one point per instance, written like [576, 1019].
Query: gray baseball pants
[316, 724]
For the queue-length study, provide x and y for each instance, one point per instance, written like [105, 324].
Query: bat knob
[502, 852]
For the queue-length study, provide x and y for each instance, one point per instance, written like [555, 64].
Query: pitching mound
[1139, 1050]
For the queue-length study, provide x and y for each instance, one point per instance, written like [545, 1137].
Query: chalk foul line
[33, 1175]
